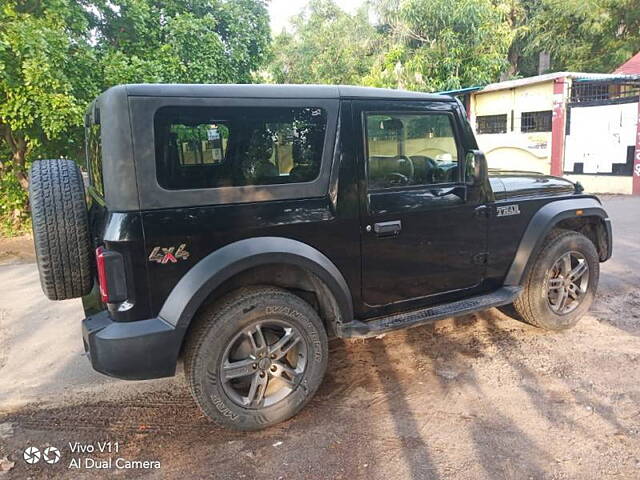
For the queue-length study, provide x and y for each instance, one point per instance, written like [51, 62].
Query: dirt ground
[476, 397]
[16, 250]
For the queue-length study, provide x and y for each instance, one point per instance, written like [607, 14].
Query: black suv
[238, 227]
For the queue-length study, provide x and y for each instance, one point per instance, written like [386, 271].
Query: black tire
[540, 304]
[213, 336]
[60, 229]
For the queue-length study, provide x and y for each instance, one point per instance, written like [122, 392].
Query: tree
[326, 45]
[46, 78]
[518, 15]
[587, 35]
[184, 41]
[440, 44]
[57, 55]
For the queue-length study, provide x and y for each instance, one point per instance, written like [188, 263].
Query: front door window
[408, 149]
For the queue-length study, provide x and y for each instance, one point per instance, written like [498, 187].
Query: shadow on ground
[475, 397]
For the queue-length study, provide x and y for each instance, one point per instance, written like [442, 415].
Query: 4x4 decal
[166, 255]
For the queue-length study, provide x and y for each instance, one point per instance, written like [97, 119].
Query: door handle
[387, 229]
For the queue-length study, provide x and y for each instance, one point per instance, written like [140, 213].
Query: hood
[513, 184]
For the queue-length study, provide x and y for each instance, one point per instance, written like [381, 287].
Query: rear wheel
[256, 358]
[561, 284]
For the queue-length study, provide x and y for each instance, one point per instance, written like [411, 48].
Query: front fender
[544, 221]
[226, 262]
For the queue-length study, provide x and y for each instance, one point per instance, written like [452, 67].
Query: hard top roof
[275, 91]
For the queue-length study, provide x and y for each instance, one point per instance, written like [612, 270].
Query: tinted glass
[226, 147]
[410, 149]
[94, 158]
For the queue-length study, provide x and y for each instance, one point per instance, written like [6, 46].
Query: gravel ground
[476, 397]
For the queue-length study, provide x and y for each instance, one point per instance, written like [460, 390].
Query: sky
[281, 10]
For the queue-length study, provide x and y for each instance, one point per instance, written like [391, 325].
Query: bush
[14, 206]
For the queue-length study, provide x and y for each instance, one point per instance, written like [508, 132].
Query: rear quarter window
[94, 158]
[212, 147]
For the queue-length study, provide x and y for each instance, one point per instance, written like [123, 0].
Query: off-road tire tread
[60, 229]
[208, 319]
[523, 305]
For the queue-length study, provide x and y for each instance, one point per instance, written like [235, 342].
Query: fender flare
[541, 224]
[217, 267]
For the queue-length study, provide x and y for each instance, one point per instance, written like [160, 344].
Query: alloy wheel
[567, 282]
[263, 364]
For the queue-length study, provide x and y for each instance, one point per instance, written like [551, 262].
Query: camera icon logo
[31, 455]
[51, 455]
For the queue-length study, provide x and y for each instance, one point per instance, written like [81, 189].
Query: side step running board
[371, 328]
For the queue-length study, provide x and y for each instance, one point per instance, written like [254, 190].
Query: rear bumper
[131, 350]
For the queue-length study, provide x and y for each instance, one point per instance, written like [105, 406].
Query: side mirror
[476, 169]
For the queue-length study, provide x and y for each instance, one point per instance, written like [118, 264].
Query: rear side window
[94, 158]
[201, 147]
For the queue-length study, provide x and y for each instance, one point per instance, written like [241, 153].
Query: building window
[589, 92]
[491, 124]
[536, 121]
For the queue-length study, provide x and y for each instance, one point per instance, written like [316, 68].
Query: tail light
[111, 276]
[102, 275]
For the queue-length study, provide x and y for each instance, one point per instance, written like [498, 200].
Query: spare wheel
[60, 229]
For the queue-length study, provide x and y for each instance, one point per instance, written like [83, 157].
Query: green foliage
[446, 44]
[518, 15]
[57, 55]
[441, 44]
[180, 41]
[14, 217]
[326, 46]
[587, 35]
[46, 80]
[45, 76]
[419, 45]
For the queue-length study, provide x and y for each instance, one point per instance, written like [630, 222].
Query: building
[630, 67]
[580, 125]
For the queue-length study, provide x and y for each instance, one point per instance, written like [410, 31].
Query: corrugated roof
[630, 67]
[547, 77]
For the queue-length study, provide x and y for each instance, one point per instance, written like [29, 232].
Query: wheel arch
[583, 215]
[277, 261]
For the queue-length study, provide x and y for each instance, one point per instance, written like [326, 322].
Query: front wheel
[561, 284]
[256, 358]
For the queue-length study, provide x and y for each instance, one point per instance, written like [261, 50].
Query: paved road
[478, 397]
[41, 352]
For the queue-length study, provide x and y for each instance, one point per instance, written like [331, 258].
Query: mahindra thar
[235, 228]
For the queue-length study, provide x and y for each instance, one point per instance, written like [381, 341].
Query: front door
[424, 228]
